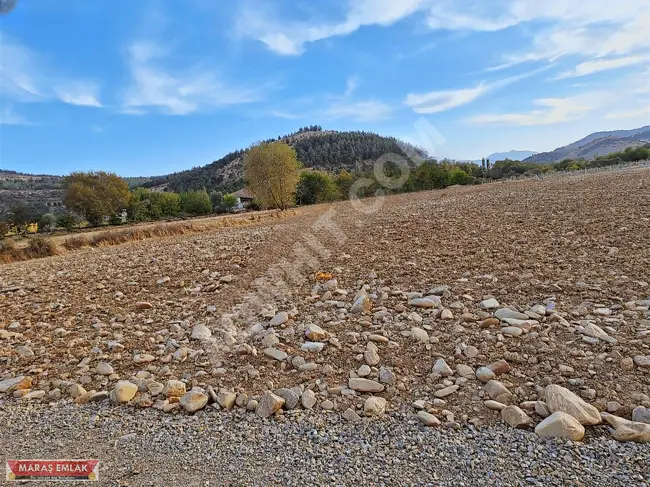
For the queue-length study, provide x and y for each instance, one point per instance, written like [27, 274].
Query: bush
[229, 201]
[316, 187]
[67, 221]
[48, 222]
[41, 247]
[196, 202]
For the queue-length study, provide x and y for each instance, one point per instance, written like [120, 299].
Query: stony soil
[573, 254]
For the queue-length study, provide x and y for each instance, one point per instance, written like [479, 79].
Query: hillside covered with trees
[316, 148]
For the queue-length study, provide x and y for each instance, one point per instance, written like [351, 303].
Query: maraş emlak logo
[7, 6]
[52, 470]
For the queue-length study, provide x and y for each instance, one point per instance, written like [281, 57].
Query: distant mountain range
[513, 155]
[594, 145]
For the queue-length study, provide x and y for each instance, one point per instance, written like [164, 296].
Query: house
[244, 198]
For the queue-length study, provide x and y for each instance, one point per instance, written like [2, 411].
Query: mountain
[596, 144]
[513, 155]
[328, 150]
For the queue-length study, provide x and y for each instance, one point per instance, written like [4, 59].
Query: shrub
[229, 201]
[48, 222]
[196, 202]
[41, 247]
[67, 221]
[316, 187]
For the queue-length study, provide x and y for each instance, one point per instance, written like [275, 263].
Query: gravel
[150, 448]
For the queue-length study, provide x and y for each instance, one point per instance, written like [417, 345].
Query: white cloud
[442, 100]
[439, 101]
[589, 67]
[289, 37]
[26, 77]
[8, 117]
[79, 93]
[361, 111]
[177, 91]
[551, 111]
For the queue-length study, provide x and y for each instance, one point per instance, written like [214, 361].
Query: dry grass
[37, 247]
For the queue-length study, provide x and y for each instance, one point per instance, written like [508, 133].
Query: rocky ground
[439, 324]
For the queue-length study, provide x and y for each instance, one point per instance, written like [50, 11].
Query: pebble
[279, 319]
[269, 404]
[194, 400]
[428, 419]
[374, 406]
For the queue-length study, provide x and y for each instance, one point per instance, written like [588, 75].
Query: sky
[150, 87]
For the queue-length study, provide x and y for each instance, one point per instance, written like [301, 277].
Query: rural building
[244, 198]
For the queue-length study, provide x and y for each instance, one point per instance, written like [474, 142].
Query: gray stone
[268, 405]
[374, 406]
[428, 419]
[275, 354]
[441, 368]
[279, 319]
[200, 332]
[516, 417]
[290, 396]
[641, 415]
[507, 313]
[559, 398]
[561, 425]
[365, 385]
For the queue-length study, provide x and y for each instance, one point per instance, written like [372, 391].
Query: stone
[143, 358]
[386, 376]
[275, 354]
[374, 406]
[626, 430]
[494, 389]
[20, 382]
[99, 396]
[465, 371]
[561, 425]
[441, 368]
[291, 397]
[104, 368]
[627, 364]
[268, 405]
[123, 392]
[327, 405]
[308, 399]
[500, 367]
[428, 419]
[542, 409]
[143, 305]
[446, 314]
[174, 388]
[507, 313]
[364, 371]
[512, 331]
[488, 322]
[200, 332]
[315, 333]
[423, 303]
[595, 331]
[194, 400]
[371, 355]
[641, 414]
[447, 391]
[312, 347]
[495, 405]
[33, 395]
[559, 398]
[270, 340]
[365, 385]
[351, 415]
[516, 417]
[279, 319]
[471, 351]
[490, 304]
[642, 361]
[419, 335]
[25, 351]
[484, 374]
[361, 304]
[226, 399]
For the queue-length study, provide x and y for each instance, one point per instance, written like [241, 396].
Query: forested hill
[322, 149]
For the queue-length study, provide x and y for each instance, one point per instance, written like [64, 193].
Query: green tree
[66, 220]
[344, 181]
[20, 215]
[229, 202]
[271, 170]
[96, 195]
[47, 223]
[196, 202]
[316, 187]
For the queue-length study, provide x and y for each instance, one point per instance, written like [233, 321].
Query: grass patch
[37, 247]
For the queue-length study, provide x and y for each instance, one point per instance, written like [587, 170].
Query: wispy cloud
[602, 64]
[634, 113]
[25, 76]
[158, 85]
[85, 94]
[288, 37]
[443, 100]
[8, 117]
[551, 111]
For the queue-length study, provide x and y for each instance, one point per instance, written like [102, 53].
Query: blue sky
[150, 87]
